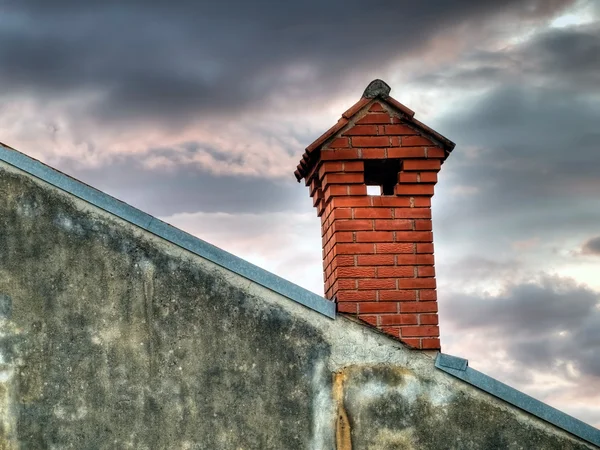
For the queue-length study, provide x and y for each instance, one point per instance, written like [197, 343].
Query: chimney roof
[377, 89]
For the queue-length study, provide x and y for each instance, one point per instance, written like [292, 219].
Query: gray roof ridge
[165, 231]
[459, 367]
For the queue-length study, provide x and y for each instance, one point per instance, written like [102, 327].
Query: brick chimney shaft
[378, 256]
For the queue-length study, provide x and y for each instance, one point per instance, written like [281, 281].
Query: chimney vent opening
[382, 174]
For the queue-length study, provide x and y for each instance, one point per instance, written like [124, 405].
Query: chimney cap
[377, 88]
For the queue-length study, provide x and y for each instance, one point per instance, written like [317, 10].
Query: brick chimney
[371, 178]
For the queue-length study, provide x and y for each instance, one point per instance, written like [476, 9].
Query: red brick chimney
[378, 248]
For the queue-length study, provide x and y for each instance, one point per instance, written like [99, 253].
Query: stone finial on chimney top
[371, 178]
[377, 88]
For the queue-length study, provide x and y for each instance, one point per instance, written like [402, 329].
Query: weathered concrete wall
[111, 338]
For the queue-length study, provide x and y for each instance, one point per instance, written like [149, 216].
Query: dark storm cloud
[542, 324]
[172, 59]
[536, 171]
[186, 188]
[592, 246]
[528, 148]
[559, 57]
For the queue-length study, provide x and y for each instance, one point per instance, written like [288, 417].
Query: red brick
[376, 307]
[428, 177]
[421, 164]
[373, 141]
[339, 143]
[423, 225]
[399, 319]
[374, 236]
[375, 118]
[426, 271]
[418, 307]
[436, 153]
[376, 107]
[346, 202]
[356, 272]
[343, 178]
[414, 236]
[372, 213]
[328, 294]
[413, 189]
[330, 166]
[317, 198]
[361, 130]
[408, 177]
[410, 141]
[427, 294]
[357, 189]
[377, 284]
[397, 295]
[393, 225]
[427, 330]
[394, 248]
[415, 343]
[390, 200]
[412, 213]
[355, 249]
[342, 213]
[399, 130]
[406, 152]
[357, 296]
[344, 260]
[416, 283]
[352, 225]
[398, 272]
[396, 141]
[430, 344]
[353, 166]
[372, 320]
[372, 153]
[422, 202]
[414, 259]
[425, 247]
[335, 189]
[314, 185]
[345, 284]
[339, 154]
[342, 236]
[392, 331]
[428, 319]
[347, 307]
[375, 260]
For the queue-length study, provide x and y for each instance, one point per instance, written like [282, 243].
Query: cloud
[535, 172]
[538, 333]
[167, 181]
[154, 60]
[529, 311]
[563, 58]
[591, 246]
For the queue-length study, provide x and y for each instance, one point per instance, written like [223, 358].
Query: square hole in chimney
[381, 174]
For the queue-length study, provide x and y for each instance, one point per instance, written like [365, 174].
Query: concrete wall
[111, 338]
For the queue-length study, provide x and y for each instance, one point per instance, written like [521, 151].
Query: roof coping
[165, 231]
[459, 368]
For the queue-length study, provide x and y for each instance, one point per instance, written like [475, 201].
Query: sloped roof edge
[459, 368]
[165, 231]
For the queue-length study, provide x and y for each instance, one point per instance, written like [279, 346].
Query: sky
[199, 111]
